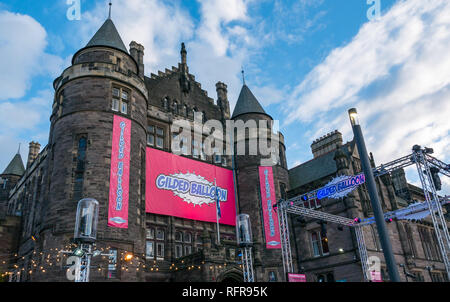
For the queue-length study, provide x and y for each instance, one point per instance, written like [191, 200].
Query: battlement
[326, 143]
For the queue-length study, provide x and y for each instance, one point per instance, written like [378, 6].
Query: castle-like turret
[102, 93]
[251, 119]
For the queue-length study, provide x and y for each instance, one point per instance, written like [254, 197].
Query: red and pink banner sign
[120, 173]
[268, 198]
[296, 277]
[186, 188]
[376, 276]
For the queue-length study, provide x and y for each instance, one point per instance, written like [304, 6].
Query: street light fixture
[128, 257]
[372, 189]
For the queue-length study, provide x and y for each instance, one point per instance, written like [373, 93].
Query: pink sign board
[296, 278]
[375, 276]
[186, 188]
[268, 199]
[120, 173]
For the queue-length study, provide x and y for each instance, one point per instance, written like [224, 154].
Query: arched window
[175, 107]
[204, 116]
[80, 168]
[166, 103]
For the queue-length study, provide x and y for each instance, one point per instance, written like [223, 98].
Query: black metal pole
[376, 206]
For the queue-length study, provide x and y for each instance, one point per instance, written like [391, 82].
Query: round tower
[262, 160]
[99, 111]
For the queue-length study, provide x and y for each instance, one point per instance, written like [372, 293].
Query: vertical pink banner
[268, 198]
[120, 173]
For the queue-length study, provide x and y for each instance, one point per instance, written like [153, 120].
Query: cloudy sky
[307, 61]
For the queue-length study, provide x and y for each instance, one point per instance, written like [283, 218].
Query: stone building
[334, 256]
[106, 80]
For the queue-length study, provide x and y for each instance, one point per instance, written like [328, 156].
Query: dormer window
[175, 107]
[120, 99]
[166, 103]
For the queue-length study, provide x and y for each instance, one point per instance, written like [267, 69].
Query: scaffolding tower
[301, 205]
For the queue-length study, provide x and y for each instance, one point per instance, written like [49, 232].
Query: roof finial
[18, 151]
[183, 54]
[243, 75]
[110, 5]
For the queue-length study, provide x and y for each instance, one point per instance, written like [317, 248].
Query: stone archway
[230, 276]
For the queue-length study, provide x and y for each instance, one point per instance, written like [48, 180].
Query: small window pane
[115, 92]
[124, 95]
[160, 250]
[159, 131]
[160, 234]
[150, 234]
[159, 142]
[124, 108]
[151, 139]
[178, 251]
[187, 250]
[178, 236]
[150, 250]
[151, 129]
[187, 237]
[115, 105]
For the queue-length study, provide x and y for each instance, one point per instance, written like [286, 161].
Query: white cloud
[22, 122]
[216, 44]
[396, 71]
[22, 54]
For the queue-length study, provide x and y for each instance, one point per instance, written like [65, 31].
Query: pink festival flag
[268, 199]
[120, 173]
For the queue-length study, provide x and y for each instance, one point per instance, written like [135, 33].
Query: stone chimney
[222, 100]
[326, 143]
[35, 147]
[137, 52]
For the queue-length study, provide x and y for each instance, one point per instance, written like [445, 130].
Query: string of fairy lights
[42, 262]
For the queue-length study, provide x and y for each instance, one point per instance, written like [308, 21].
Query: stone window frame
[122, 98]
[156, 135]
[320, 242]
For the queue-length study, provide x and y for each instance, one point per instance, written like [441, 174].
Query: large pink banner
[268, 198]
[120, 173]
[182, 187]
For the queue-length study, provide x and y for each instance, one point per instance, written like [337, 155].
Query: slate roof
[317, 168]
[108, 36]
[15, 167]
[247, 103]
[312, 170]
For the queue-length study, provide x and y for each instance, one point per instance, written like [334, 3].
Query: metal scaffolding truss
[285, 207]
[247, 264]
[432, 206]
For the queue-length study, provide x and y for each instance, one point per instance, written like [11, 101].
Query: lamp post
[85, 235]
[371, 187]
[244, 240]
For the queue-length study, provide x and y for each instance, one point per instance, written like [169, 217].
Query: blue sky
[307, 62]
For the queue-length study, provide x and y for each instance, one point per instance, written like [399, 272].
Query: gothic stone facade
[105, 79]
[414, 243]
